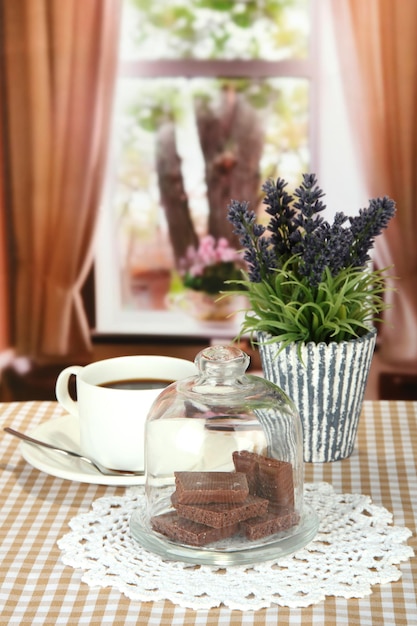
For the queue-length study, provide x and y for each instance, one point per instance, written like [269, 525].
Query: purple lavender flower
[326, 246]
[258, 256]
[281, 225]
[366, 226]
[296, 229]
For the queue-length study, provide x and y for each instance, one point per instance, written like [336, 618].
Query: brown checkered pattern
[36, 588]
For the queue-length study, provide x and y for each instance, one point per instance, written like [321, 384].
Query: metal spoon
[98, 466]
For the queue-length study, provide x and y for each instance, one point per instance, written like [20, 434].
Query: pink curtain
[378, 50]
[59, 60]
[5, 338]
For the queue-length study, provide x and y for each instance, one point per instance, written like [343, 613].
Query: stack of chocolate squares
[257, 499]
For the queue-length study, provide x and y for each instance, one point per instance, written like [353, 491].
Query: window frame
[111, 318]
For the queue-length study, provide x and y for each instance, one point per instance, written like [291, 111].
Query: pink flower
[211, 253]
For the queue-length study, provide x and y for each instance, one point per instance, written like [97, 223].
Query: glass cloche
[224, 467]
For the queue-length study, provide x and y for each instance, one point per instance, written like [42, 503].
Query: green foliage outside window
[215, 29]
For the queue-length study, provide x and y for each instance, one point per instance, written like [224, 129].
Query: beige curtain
[378, 49]
[59, 61]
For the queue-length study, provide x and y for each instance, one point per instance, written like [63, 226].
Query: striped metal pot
[327, 386]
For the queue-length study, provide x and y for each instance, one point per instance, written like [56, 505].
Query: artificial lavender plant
[307, 279]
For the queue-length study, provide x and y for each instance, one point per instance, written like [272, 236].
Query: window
[213, 97]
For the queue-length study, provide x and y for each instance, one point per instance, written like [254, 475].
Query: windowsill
[166, 324]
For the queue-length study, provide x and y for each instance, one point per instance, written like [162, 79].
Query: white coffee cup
[112, 420]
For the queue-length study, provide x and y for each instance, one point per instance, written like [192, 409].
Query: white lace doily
[357, 546]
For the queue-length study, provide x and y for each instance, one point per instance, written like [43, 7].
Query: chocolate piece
[246, 462]
[267, 477]
[206, 487]
[191, 533]
[221, 514]
[275, 482]
[277, 519]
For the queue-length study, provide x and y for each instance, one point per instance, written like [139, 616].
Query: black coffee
[137, 383]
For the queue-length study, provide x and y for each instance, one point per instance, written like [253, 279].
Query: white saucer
[63, 431]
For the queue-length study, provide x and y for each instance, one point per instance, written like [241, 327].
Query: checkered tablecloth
[36, 588]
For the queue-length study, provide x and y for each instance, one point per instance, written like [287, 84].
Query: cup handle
[62, 391]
